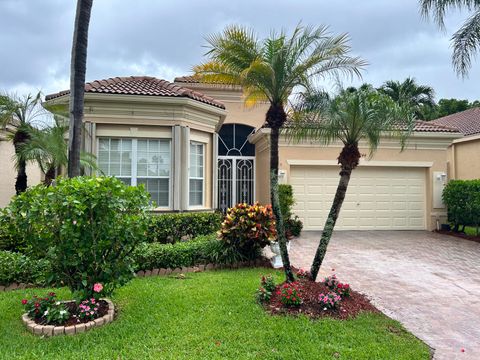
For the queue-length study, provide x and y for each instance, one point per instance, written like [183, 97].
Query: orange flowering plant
[248, 226]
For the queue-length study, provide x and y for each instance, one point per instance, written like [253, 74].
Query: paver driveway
[427, 281]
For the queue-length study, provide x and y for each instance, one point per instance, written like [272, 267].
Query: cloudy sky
[164, 38]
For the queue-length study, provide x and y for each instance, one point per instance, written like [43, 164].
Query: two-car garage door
[378, 198]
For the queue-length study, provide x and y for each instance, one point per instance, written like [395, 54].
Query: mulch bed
[349, 307]
[73, 309]
[460, 235]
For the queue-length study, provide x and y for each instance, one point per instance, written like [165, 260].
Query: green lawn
[209, 315]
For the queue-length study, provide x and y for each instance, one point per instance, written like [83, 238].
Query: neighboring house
[464, 153]
[196, 146]
[9, 173]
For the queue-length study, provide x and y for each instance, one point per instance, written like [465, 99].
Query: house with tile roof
[195, 146]
[464, 153]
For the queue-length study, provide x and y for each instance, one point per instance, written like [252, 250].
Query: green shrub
[170, 228]
[293, 226]
[248, 227]
[19, 268]
[462, 198]
[10, 239]
[200, 250]
[285, 193]
[86, 227]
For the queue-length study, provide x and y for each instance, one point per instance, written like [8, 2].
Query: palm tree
[17, 115]
[419, 97]
[77, 84]
[351, 117]
[47, 148]
[466, 40]
[269, 70]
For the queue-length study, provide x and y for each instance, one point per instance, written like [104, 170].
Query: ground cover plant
[199, 317]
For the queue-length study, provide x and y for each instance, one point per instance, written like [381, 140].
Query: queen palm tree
[419, 97]
[77, 84]
[17, 115]
[466, 40]
[47, 148]
[269, 70]
[350, 117]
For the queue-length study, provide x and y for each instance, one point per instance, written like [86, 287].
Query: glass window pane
[158, 189]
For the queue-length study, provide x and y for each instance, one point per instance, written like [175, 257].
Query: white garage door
[378, 198]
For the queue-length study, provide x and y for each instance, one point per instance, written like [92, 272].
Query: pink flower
[97, 287]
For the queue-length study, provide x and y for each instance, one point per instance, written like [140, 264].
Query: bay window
[139, 161]
[196, 174]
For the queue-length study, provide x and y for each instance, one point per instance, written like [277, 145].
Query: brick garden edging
[50, 330]
[201, 268]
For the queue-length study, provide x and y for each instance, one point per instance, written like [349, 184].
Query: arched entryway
[236, 166]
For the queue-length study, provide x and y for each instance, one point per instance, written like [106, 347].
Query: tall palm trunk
[20, 138]
[276, 117]
[77, 84]
[348, 159]
[49, 175]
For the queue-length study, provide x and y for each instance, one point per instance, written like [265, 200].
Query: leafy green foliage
[19, 268]
[86, 227]
[462, 198]
[170, 228]
[294, 226]
[200, 250]
[285, 193]
[248, 227]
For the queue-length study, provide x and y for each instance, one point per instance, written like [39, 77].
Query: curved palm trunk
[49, 176]
[20, 138]
[275, 118]
[77, 84]
[349, 160]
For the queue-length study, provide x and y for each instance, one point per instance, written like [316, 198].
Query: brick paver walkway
[429, 282]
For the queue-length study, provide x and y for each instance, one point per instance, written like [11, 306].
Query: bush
[200, 250]
[462, 198]
[10, 239]
[46, 310]
[86, 227]
[293, 226]
[290, 294]
[170, 228]
[285, 193]
[248, 227]
[19, 268]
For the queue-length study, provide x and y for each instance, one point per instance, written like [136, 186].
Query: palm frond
[466, 42]
[438, 8]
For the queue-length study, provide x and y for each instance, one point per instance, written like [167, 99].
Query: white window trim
[133, 176]
[204, 146]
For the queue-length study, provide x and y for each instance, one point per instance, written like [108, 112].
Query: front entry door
[236, 181]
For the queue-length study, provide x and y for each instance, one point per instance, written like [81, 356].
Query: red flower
[37, 305]
[51, 294]
[24, 301]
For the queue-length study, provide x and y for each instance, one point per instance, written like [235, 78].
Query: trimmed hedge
[171, 228]
[462, 198]
[201, 250]
[19, 268]
[293, 225]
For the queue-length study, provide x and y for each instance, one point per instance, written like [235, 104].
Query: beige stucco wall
[126, 116]
[232, 98]
[464, 158]
[430, 151]
[8, 173]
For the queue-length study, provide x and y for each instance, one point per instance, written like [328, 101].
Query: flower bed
[74, 324]
[329, 298]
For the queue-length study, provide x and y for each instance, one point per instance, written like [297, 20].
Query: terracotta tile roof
[467, 122]
[420, 126]
[189, 79]
[142, 85]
